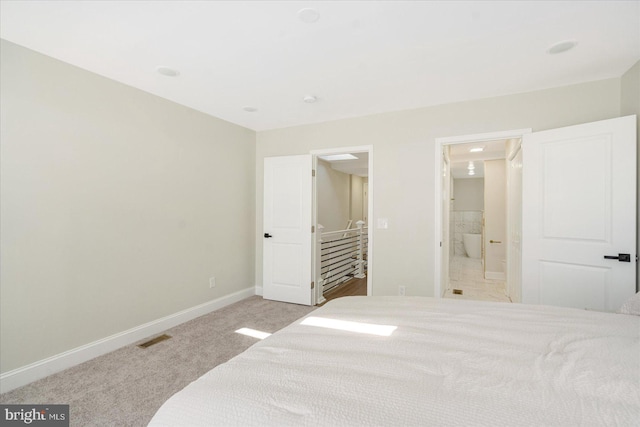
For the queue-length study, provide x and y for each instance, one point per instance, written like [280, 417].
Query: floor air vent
[156, 340]
[457, 291]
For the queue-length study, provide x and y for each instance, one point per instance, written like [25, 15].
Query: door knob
[267, 235]
[620, 257]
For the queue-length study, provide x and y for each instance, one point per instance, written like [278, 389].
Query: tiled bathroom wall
[463, 222]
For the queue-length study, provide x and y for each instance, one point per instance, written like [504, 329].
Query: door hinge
[313, 285]
[313, 228]
[313, 172]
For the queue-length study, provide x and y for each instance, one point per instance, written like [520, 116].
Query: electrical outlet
[212, 282]
[401, 290]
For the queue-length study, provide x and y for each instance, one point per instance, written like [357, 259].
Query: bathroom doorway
[544, 213]
[477, 221]
[476, 246]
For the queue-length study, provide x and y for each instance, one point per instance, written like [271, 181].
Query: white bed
[449, 362]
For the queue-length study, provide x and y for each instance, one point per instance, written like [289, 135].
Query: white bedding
[449, 362]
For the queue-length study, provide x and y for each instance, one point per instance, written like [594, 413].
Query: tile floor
[467, 275]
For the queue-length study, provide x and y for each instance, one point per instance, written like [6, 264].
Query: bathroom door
[579, 215]
[495, 210]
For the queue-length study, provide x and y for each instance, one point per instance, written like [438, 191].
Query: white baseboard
[258, 290]
[446, 287]
[494, 275]
[24, 375]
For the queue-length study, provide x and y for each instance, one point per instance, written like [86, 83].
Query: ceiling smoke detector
[167, 71]
[561, 47]
[309, 99]
[308, 15]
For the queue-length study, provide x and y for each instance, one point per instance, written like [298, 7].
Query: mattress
[442, 362]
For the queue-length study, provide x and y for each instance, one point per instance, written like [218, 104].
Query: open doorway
[477, 237]
[477, 216]
[342, 249]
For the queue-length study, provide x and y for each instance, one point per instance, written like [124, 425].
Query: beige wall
[117, 206]
[339, 197]
[333, 197]
[403, 165]
[630, 104]
[630, 92]
[468, 194]
[495, 215]
[357, 183]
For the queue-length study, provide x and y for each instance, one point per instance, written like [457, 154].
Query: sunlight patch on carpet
[253, 333]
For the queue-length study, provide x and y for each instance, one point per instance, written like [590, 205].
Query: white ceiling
[359, 58]
[460, 156]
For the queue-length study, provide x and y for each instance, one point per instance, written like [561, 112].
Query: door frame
[445, 194]
[316, 296]
[514, 261]
[438, 292]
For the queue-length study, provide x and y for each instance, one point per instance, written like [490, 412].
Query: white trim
[494, 275]
[479, 137]
[341, 150]
[258, 290]
[316, 239]
[359, 149]
[45, 367]
[515, 150]
[439, 143]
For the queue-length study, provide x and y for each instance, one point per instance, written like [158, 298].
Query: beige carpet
[127, 386]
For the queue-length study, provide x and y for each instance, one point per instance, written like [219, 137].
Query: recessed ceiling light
[334, 157]
[309, 99]
[476, 149]
[167, 71]
[562, 47]
[308, 15]
[250, 109]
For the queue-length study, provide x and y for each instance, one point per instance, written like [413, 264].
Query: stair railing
[343, 255]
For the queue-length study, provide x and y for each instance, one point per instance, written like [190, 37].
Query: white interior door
[287, 229]
[579, 206]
